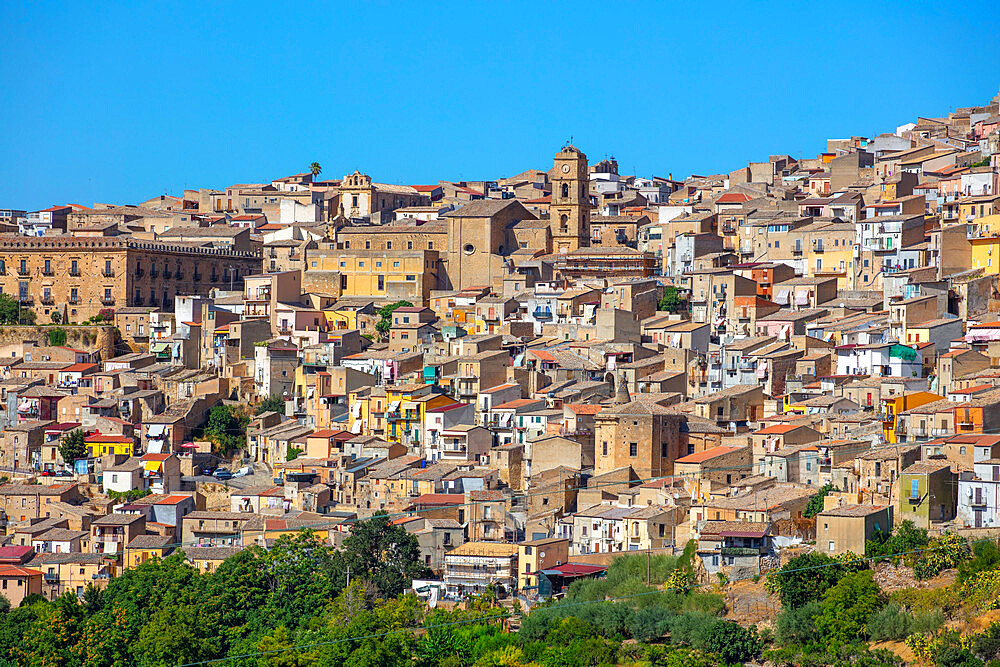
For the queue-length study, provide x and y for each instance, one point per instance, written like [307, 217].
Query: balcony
[26, 298]
[818, 247]
[50, 577]
[739, 551]
[167, 274]
[48, 272]
[196, 277]
[47, 299]
[75, 273]
[153, 273]
[23, 271]
[108, 300]
[179, 275]
[797, 250]
[139, 273]
[74, 301]
[108, 274]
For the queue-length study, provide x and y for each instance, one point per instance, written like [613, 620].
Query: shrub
[890, 623]
[985, 556]
[848, 605]
[815, 504]
[57, 337]
[692, 629]
[734, 643]
[797, 627]
[807, 577]
[651, 623]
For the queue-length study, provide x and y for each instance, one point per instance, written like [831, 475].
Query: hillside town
[530, 374]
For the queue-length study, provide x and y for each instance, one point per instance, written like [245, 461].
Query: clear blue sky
[118, 103]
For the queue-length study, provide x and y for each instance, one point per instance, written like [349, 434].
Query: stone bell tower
[570, 210]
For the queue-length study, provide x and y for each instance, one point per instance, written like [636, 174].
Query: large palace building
[78, 276]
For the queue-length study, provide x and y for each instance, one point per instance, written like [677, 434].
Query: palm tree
[315, 169]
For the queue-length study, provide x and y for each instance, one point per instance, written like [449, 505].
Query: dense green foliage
[9, 309]
[73, 446]
[671, 301]
[165, 612]
[807, 577]
[273, 403]
[815, 504]
[130, 495]
[226, 428]
[56, 336]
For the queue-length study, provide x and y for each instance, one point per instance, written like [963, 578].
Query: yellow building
[407, 407]
[367, 410]
[893, 405]
[381, 274]
[984, 236]
[147, 547]
[536, 555]
[99, 445]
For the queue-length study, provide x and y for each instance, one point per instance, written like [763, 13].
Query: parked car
[63, 473]
[223, 474]
[207, 471]
[47, 473]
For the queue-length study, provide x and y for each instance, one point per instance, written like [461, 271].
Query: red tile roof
[15, 571]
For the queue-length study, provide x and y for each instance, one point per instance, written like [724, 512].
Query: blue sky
[121, 102]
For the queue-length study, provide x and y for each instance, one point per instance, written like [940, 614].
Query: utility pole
[348, 576]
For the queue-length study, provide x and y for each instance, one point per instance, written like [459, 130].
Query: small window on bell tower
[565, 190]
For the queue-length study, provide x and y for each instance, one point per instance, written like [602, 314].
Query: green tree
[9, 309]
[292, 453]
[73, 446]
[273, 403]
[797, 627]
[807, 577]
[226, 427]
[386, 555]
[734, 643]
[315, 169]
[847, 606]
[385, 313]
[815, 504]
[56, 317]
[671, 301]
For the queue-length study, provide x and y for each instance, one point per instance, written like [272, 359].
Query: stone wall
[104, 338]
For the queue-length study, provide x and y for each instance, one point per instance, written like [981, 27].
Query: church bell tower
[569, 214]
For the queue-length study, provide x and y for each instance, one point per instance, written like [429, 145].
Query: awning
[802, 297]
[150, 466]
[24, 406]
[781, 296]
[159, 348]
[394, 406]
[356, 427]
[156, 430]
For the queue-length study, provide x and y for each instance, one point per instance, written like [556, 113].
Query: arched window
[565, 190]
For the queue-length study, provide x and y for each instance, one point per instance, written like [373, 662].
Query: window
[411, 276]
[388, 245]
[665, 449]
[604, 448]
[914, 488]
[633, 449]
[430, 245]
[831, 545]
[368, 245]
[409, 245]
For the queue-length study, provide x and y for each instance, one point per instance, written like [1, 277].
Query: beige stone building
[78, 276]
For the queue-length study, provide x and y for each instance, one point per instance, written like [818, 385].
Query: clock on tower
[569, 214]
